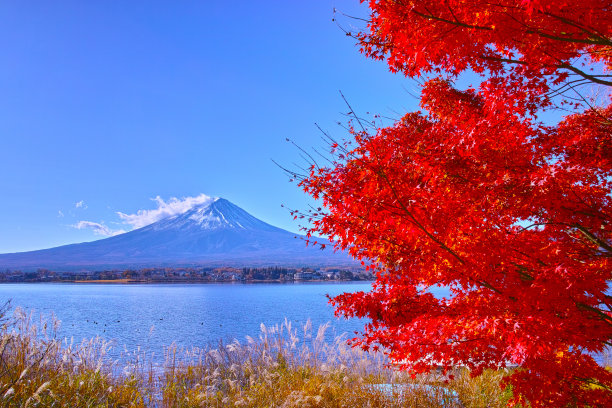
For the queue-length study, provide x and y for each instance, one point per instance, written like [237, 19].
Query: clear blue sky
[112, 103]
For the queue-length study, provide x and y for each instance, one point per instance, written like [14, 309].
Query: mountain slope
[217, 233]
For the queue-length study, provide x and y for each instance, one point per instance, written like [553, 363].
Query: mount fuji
[215, 233]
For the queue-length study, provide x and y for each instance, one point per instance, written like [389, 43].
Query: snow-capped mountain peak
[209, 218]
[215, 232]
[217, 214]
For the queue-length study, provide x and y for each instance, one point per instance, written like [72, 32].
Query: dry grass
[284, 367]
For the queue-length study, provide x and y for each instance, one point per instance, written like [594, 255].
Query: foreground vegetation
[279, 369]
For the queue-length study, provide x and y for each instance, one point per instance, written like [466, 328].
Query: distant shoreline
[199, 274]
[133, 281]
[194, 282]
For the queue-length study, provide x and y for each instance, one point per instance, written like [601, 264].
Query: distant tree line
[190, 274]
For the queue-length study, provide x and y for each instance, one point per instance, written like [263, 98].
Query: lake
[152, 316]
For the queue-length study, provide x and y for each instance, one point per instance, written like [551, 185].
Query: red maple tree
[475, 194]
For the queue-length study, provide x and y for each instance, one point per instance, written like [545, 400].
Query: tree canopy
[475, 193]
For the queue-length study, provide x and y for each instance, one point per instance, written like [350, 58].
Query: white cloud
[60, 214]
[98, 229]
[165, 209]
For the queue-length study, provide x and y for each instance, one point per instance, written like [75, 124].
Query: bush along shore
[282, 367]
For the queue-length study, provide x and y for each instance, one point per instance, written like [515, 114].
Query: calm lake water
[151, 316]
[155, 315]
